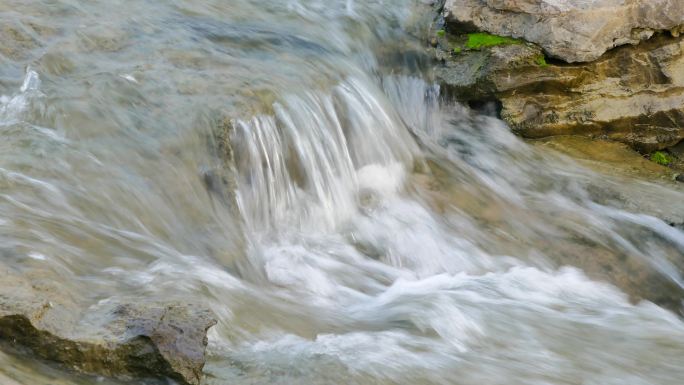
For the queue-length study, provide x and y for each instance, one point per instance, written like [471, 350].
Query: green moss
[541, 61]
[661, 158]
[457, 50]
[481, 40]
[440, 33]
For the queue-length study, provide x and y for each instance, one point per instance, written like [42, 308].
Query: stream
[364, 229]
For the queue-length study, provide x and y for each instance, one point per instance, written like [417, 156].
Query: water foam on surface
[11, 108]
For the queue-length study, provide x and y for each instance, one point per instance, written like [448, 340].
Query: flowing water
[366, 229]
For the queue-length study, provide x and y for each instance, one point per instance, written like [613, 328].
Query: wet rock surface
[124, 340]
[655, 194]
[609, 157]
[573, 31]
[657, 190]
[633, 274]
[633, 94]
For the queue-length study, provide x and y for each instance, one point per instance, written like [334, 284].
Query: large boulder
[570, 30]
[633, 94]
[141, 339]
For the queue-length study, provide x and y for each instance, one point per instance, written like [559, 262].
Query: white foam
[11, 108]
[37, 256]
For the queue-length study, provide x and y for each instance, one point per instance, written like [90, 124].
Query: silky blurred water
[365, 231]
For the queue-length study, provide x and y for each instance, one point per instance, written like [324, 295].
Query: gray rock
[571, 30]
[116, 340]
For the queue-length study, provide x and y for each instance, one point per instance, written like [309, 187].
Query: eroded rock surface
[571, 30]
[115, 339]
[634, 94]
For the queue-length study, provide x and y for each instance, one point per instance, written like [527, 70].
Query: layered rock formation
[571, 30]
[126, 340]
[633, 93]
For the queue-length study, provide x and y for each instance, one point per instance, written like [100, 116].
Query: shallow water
[373, 232]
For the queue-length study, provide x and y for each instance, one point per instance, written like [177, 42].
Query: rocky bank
[124, 340]
[599, 80]
[608, 69]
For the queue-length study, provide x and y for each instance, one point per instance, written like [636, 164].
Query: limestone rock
[571, 30]
[118, 340]
[633, 94]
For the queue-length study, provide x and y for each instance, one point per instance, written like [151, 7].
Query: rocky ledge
[570, 30]
[123, 340]
[633, 94]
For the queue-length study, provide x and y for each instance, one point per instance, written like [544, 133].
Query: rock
[20, 35]
[118, 340]
[646, 188]
[16, 41]
[630, 272]
[633, 275]
[633, 94]
[608, 157]
[655, 192]
[573, 31]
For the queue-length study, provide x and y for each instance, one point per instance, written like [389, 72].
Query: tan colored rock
[19, 35]
[116, 340]
[634, 94]
[571, 30]
[613, 158]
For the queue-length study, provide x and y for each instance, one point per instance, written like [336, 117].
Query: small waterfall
[301, 167]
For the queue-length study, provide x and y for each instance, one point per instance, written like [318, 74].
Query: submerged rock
[610, 158]
[632, 184]
[573, 31]
[634, 94]
[117, 340]
[656, 192]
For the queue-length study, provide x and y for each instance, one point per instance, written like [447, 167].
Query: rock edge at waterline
[124, 340]
[634, 94]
